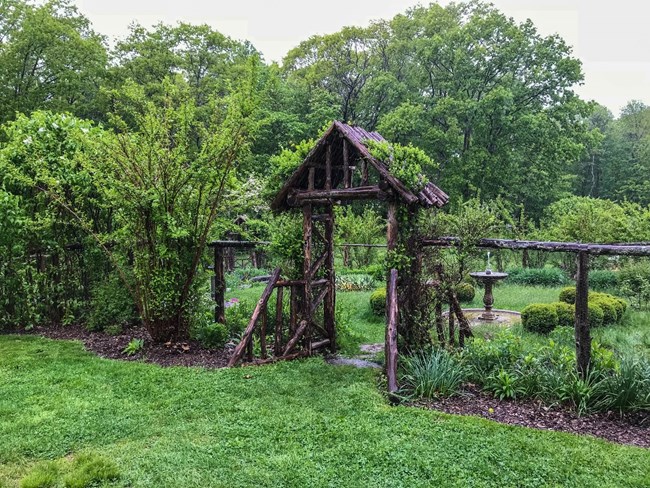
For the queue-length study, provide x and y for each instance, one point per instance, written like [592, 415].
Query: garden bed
[630, 429]
[190, 353]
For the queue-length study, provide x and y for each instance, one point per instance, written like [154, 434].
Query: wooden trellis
[339, 169]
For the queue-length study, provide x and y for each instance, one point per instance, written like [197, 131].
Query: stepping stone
[357, 363]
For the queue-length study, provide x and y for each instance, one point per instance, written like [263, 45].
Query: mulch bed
[631, 429]
[190, 353]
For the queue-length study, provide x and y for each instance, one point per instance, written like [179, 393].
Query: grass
[516, 297]
[303, 423]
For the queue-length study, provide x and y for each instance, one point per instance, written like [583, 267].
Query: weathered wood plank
[589, 248]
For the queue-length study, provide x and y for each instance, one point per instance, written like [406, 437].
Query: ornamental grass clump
[433, 374]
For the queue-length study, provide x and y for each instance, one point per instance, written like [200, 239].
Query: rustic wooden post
[583, 337]
[392, 310]
[310, 180]
[452, 327]
[328, 168]
[439, 327]
[277, 344]
[219, 286]
[346, 165]
[307, 262]
[329, 312]
[263, 332]
[391, 331]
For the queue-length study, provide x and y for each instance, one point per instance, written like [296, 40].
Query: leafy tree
[168, 181]
[50, 58]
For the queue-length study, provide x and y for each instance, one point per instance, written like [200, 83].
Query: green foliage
[286, 243]
[634, 282]
[585, 219]
[133, 347]
[169, 176]
[539, 317]
[432, 374]
[566, 314]
[408, 164]
[504, 385]
[238, 314]
[465, 292]
[568, 295]
[354, 282]
[510, 367]
[596, 315]
[537, 276]
[378, 301]
[111, 305]
[363, 228]
[50, 59]
[609, 306]
[213, 335]
[603, 279]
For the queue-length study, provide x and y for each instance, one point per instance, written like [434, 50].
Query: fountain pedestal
[488, 278]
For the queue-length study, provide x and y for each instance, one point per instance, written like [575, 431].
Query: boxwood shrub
[378, 301]
[566, 314]
[465, 292]
[568, 295]
[539, 317]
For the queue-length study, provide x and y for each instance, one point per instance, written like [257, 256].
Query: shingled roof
[429, 196]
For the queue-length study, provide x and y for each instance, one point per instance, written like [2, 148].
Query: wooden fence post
[219, 286]
[582, 335]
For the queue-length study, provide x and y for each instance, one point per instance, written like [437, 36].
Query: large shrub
[539, 317]
[603, 279]
[378, 301]
[537, 276]
[565, 314]
[568, 295]
[465, 292]
[608, 305]
[596, 315]
[112, 305]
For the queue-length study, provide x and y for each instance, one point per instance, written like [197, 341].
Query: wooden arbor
[339, 168]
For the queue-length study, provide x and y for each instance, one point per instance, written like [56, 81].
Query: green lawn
[303, 423]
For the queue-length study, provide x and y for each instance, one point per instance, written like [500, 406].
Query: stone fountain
[488, 278]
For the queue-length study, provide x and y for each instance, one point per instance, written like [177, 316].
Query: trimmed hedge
[568, 295]
[566, 314]
[596, 315]
[378, 301]
[603, 279]
[539, 317]
[537, 276]
[465, 292]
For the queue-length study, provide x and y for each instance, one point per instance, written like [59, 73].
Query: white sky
[610, 37]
